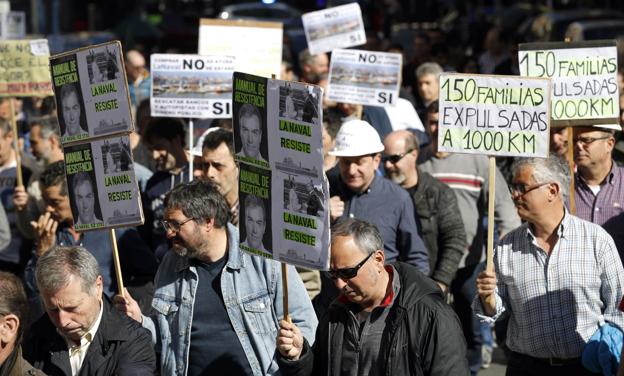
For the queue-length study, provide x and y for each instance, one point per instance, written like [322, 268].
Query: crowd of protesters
[406, 292]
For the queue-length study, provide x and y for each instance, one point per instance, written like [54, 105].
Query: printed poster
[255, 45]
[91, 92]
[364, 77]
[191, 86]
[102, 187]
[337, 27]
[584, 79]
[25, 71]
[284, 212]
[494, 115]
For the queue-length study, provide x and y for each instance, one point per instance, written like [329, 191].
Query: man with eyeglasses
[599, 182]
[467, 175]
[440, 227]
[216, 308]
[388, 319]
[558, 277]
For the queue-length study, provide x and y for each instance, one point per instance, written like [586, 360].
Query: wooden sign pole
[490, 229]
[18, 153]
[191, 157]
[285, 291]
[120, 284]
[570, 157]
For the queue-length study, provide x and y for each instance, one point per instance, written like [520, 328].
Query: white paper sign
[102, 186]
[13, 25]
[494, 115]
[584, 80]
[91, 92]
[337, 27]
[191, 86]
[256, 46]
[364, 77]
[284, 210]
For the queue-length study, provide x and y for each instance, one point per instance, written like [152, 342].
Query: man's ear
[9, 326]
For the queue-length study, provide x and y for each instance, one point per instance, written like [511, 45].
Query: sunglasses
[395, 158]
[347, 273]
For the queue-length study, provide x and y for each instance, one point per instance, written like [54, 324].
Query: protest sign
[24, 68]
[91, 92]
[12, 25]
[102, 187]
[584, 79]
[337, 27]
[364, 77]
[255, 45]
[191, 86]
[283, 192]
[494, 115]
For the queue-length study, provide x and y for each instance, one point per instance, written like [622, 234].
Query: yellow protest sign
[24, 68]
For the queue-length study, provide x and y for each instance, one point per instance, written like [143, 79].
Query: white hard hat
[611, 127]
[356, 138]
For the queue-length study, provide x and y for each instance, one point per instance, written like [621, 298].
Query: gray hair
[553, 169]
[306, 58]
[5, 126]
[13, 300]
[429, 68]
[365, 235]
[56, 267]
[49, 126]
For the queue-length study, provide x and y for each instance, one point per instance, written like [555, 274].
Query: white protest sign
[364, 77]
[191, 86]
[255, 45]
[12, 25]
[284, 212]
[494, 115]
[91, 92]
[337, 27]
[25, 68]
[102, 186]
[584, 79]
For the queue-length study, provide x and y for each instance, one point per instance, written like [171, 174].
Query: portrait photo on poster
[102, 66]
[85, 205]
[298, 104]
[255, 223]
[72, 116]
[251, 137]
[303, 197]
[116, 155]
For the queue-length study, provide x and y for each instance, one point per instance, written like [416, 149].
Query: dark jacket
[440, 226]
[120, 347]
[422, 335]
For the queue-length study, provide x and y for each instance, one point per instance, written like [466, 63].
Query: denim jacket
[252, 293]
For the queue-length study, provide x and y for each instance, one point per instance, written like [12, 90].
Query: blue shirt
[390, 208]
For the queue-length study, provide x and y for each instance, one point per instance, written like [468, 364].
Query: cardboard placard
[331, 28]
[103, 191]
[494, 115]
[255, 45]
[91, 92]
[584, 79]
[24, 71]
[364, 77]
[284, 209]
[191, 86]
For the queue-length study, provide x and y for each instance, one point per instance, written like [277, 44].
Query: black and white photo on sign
[365, 75]
[340, 26]
[303, 197]
[103, 66]
[255, 223]
[85, 205]
[116, 155]
[252, 133]
[298, 103]
[73, 119]
[192, 84]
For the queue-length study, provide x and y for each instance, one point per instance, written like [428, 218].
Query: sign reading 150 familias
[494, 115]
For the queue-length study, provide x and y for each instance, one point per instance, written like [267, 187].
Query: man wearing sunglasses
[215, 308]
[557, 276]
[388, 319]
[599, 182]
[436, 206]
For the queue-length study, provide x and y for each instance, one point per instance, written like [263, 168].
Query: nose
[64, 319]
[340, 284]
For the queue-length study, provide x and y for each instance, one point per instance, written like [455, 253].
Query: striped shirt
[604, 205]
[557, 301]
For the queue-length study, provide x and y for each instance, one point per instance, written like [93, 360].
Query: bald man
[139, 83]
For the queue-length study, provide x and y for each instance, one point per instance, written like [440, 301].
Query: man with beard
[216, 308]
[313, 67]
[439, 226]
